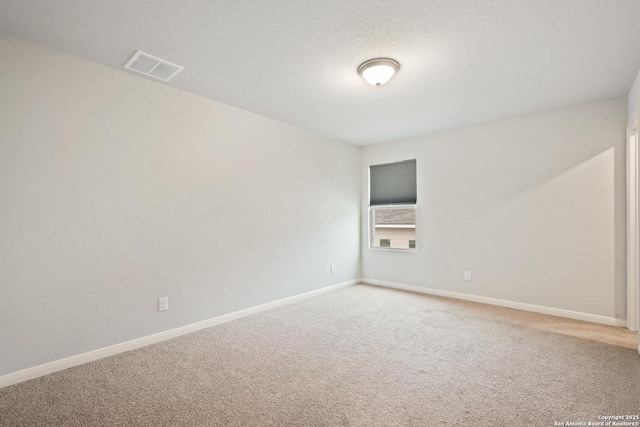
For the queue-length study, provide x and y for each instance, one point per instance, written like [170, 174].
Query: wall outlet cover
[163, 304]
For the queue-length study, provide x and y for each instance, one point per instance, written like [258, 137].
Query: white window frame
[372, 230]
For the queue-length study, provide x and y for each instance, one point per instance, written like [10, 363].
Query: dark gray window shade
[393, 183]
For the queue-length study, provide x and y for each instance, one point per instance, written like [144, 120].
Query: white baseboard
[59, 365]
[503, 303]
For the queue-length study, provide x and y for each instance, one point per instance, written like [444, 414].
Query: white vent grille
[152, 66]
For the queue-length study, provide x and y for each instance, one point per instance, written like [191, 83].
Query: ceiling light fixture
[378, 71]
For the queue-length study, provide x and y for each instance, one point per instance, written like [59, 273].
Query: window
[392, 205]
[393, 227]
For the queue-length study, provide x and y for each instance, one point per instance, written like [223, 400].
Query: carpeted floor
[360, 356]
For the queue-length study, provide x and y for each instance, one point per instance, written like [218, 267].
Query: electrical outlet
[467, 275]
[332, 269]
[163, 304]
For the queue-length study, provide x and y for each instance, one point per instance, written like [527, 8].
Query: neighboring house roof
[395, 216]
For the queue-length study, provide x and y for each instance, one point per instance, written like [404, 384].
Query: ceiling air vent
[152, 66]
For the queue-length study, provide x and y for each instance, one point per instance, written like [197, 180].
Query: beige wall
[533, 206]
[633, 100]
[116, 190]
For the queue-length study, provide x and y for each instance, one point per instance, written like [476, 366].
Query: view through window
[394, 228]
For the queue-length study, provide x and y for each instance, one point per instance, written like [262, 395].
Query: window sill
[394, 249]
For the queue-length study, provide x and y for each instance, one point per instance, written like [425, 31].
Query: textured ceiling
[463, 62]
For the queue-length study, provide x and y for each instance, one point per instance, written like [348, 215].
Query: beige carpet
[361, 356]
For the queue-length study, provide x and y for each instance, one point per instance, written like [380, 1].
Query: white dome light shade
[378, 71]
